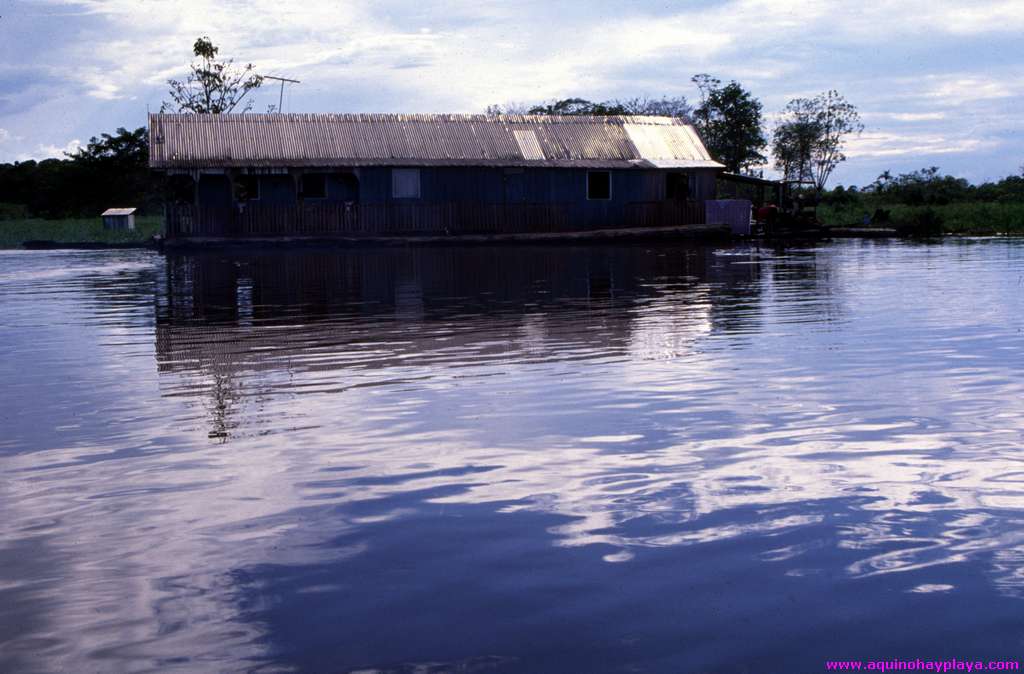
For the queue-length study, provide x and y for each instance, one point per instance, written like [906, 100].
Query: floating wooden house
[353, 175]
[119, 218]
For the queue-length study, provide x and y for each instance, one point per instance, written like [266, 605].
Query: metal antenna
[282, 80]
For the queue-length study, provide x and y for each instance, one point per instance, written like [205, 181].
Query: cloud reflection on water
[310, 411]
[794, 445]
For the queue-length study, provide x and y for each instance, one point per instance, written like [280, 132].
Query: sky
[937, 83]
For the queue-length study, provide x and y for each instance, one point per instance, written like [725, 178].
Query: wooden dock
[683, 232]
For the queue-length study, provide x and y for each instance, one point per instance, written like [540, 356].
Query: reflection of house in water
[244, 326]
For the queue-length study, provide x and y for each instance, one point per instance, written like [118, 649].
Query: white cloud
[385, 56]
[49, 151]
[876, 21]
[981, 17]
[884, 144]
[4, 135]
[972, 87]
[478, 55]
[100, 85]
[917, 116]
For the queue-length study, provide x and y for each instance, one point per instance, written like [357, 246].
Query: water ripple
[626, 458]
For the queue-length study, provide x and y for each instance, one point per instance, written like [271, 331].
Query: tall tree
[809, 139]
[729, 121]
[212, 86]
[794, 140]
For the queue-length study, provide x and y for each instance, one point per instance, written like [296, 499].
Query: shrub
[921, 223]
[13, 211]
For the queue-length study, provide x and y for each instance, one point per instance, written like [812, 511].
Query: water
[567, 459]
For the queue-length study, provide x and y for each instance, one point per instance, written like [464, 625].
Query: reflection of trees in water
[223, 402]
[799, 274]
[241, 325]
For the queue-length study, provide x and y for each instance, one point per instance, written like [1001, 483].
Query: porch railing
[349, 219]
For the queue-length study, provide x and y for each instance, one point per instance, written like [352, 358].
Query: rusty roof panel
[276, 140]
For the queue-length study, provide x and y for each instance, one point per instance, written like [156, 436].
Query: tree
[124, 146]
[570, 106]
[729, 121]
[211, 86]
[111, 170]
[795, 140]
[510, 108]
[676, 106]
[665, 106]
[928, 186]
[808, 141]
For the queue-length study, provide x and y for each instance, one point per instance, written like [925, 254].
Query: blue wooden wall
[564, 187]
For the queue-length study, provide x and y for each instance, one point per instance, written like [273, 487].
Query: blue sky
[938, 83]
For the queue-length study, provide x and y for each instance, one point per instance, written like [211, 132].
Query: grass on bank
[13, 233]
[976, 218]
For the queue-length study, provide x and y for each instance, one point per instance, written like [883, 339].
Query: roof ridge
[654, 120]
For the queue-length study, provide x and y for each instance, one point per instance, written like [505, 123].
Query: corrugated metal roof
[117, 211]
[529, 146]
[278, 140]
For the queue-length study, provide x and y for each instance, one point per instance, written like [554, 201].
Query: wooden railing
[329, 219]
[340, 219]
[262, 220]
[667, 213]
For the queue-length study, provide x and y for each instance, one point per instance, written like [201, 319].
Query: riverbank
[964, 219]
[15, 233]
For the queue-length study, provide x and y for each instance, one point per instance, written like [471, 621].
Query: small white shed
[733, 212]
[119, 218]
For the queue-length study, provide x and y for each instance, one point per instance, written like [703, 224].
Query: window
[405, 183]
[677, 186]
[247, 188]
[314, 186]
[599, 185]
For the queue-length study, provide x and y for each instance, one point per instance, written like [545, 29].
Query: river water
[513, 459]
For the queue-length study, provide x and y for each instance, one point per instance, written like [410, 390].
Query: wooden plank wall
[405, 219]
[663, 213]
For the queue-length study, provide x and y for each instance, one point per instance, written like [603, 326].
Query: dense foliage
[111, 170]
[729, 121]
[927, 202]
[927, 187]
[665, 106]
